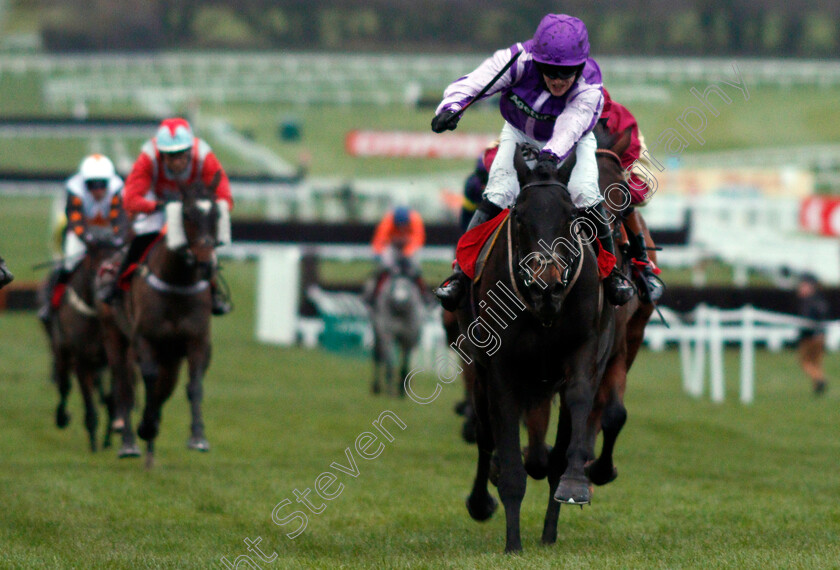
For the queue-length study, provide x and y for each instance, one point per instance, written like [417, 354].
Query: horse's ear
[519, 164]
[623, 142]
[215, 182]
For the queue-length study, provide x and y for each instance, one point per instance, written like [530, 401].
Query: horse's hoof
[375, 389]
[146, 432]
[106, 444]
[128, 450]
[62, 419]
[461, 407]
[481, 510]
[600, 475]
[198, 444]
[118, 424]
[573, 492]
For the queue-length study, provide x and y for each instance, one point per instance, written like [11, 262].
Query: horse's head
[193, 221]
[611, 177]
[100, 242]
[545, 243]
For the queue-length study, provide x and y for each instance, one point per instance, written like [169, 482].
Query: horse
[609, 413]
[167, 310]
[537, 324]
[397, 314]
[76, 340]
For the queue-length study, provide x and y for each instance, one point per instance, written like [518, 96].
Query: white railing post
[748, 355]
[717, 389]
[699, 365]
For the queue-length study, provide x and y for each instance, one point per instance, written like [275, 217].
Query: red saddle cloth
[471, 246]
[472, 242]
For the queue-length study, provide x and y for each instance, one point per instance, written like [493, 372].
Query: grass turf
[700, 485]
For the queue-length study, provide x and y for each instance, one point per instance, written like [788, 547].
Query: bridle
[568, 276]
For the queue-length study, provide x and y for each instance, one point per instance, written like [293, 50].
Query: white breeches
[74, 251]
[149, 223]
[503, 185]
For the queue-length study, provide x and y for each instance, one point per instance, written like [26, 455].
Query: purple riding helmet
[560, 40]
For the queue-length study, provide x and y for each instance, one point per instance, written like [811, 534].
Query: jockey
[6, 276]
[617, 119]
[551, 98]
[93, 203]
[174, 156]
[397, 238]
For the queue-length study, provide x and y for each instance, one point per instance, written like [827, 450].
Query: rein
[610, 154]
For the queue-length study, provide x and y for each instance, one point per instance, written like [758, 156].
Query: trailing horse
[537, 325]
[76, 341]
[609, 413]
[167, 313]
[397, 314]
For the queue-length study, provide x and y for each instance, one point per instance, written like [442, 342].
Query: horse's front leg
[608, 415]
[556, 467]
[61, 376]
[512, 476]
[121, 363]
[480, 504]
[378, 364]
[87, 380]
[536, 454]
[198, 357]
[159, 367]
[577, 395]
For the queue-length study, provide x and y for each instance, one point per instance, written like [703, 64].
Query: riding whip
[487, 87]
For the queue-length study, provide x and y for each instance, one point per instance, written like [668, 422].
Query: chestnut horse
[550, 336]
[168, 311]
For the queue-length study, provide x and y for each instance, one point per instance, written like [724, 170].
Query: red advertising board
[417, 145]
[820, 214]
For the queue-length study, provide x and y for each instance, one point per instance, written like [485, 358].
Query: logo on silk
[525, 108]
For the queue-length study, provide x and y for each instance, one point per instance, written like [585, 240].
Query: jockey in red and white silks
[173, 157]
[150, 178]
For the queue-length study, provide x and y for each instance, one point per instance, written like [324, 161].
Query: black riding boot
[452, 290]
[6, 276]
[135, 250]
[618, 288]
[651, 287]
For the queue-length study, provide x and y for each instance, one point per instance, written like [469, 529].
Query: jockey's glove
[445, 121]
[548, 159]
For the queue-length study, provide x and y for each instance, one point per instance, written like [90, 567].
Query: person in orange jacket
[399, 235]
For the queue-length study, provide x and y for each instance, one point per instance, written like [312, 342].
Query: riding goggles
[96, 184]
[558, 71]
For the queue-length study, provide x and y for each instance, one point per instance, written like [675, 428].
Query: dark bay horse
[76, 340]
[537, 325]
[168, 308]
[397, 315]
